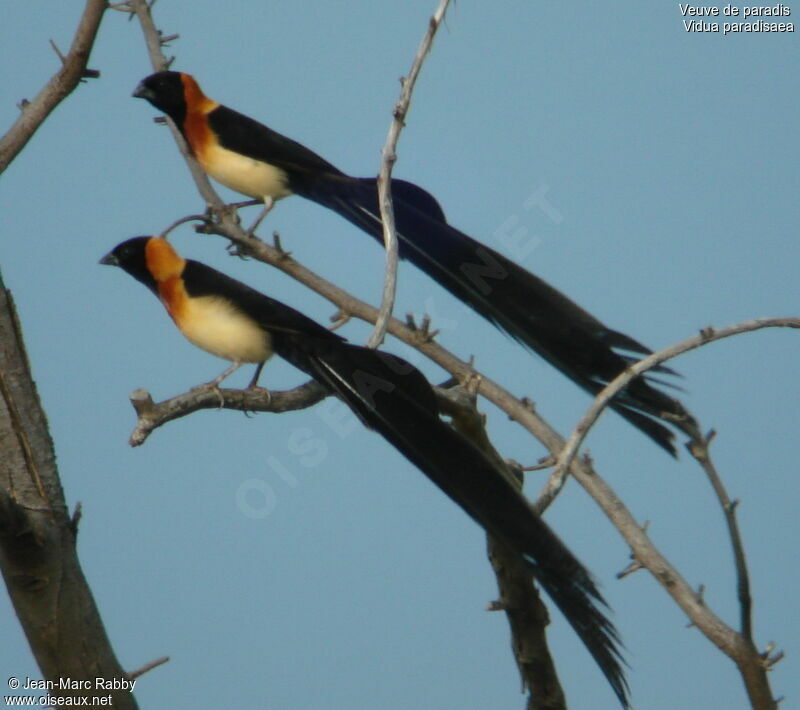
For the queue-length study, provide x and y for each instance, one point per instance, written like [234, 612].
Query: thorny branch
[698, 445]
[388, 159]
[742, 651]
[700, 450]
[72, 70]
[708, 335]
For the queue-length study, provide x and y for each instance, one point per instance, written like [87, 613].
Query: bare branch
[61, 85]
[739, 647]
[183, 220]
[699, 449]
[151, 415]
[554, 485]
[152, 36]
[388, 159]
[605, 396]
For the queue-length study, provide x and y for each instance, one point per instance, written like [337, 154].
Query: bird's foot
[214, 384]
[422, 331]
[259, 390]
[269, 203]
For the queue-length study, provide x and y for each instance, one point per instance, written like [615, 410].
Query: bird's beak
[109, 260]
[142, 92]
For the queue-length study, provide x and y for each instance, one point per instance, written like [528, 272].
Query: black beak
[109, 260]
[142, 92]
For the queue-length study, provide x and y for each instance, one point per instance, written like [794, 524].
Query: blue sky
[297, 561]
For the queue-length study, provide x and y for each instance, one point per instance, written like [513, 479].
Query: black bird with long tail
[390, 396]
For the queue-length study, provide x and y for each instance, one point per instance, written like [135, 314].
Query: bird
[233, 321]
[252, 159]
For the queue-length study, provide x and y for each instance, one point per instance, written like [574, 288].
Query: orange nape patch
[166, 267]
[195, 126]
[162, 260]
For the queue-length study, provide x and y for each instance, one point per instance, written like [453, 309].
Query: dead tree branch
[739, 646]
[151, 415]
[708, 335]
[72, 70]
[388, 159]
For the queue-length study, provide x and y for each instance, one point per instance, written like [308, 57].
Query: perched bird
[231, 320]
[252, 159]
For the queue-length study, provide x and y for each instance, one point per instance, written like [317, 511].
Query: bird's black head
[130, 257]
[165, 90]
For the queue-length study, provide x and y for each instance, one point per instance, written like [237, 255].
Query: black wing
[244, 135]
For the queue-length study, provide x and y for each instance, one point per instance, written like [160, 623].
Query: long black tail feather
[515, 300]
[393, 398]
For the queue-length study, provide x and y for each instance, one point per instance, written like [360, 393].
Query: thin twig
[388, 159]
[605, 396]
[700, 451]
[133, 675]
[152, 36]
[58, 52]
[183, 220]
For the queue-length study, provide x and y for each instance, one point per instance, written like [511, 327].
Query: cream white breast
[211, 323]
[246, 175]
